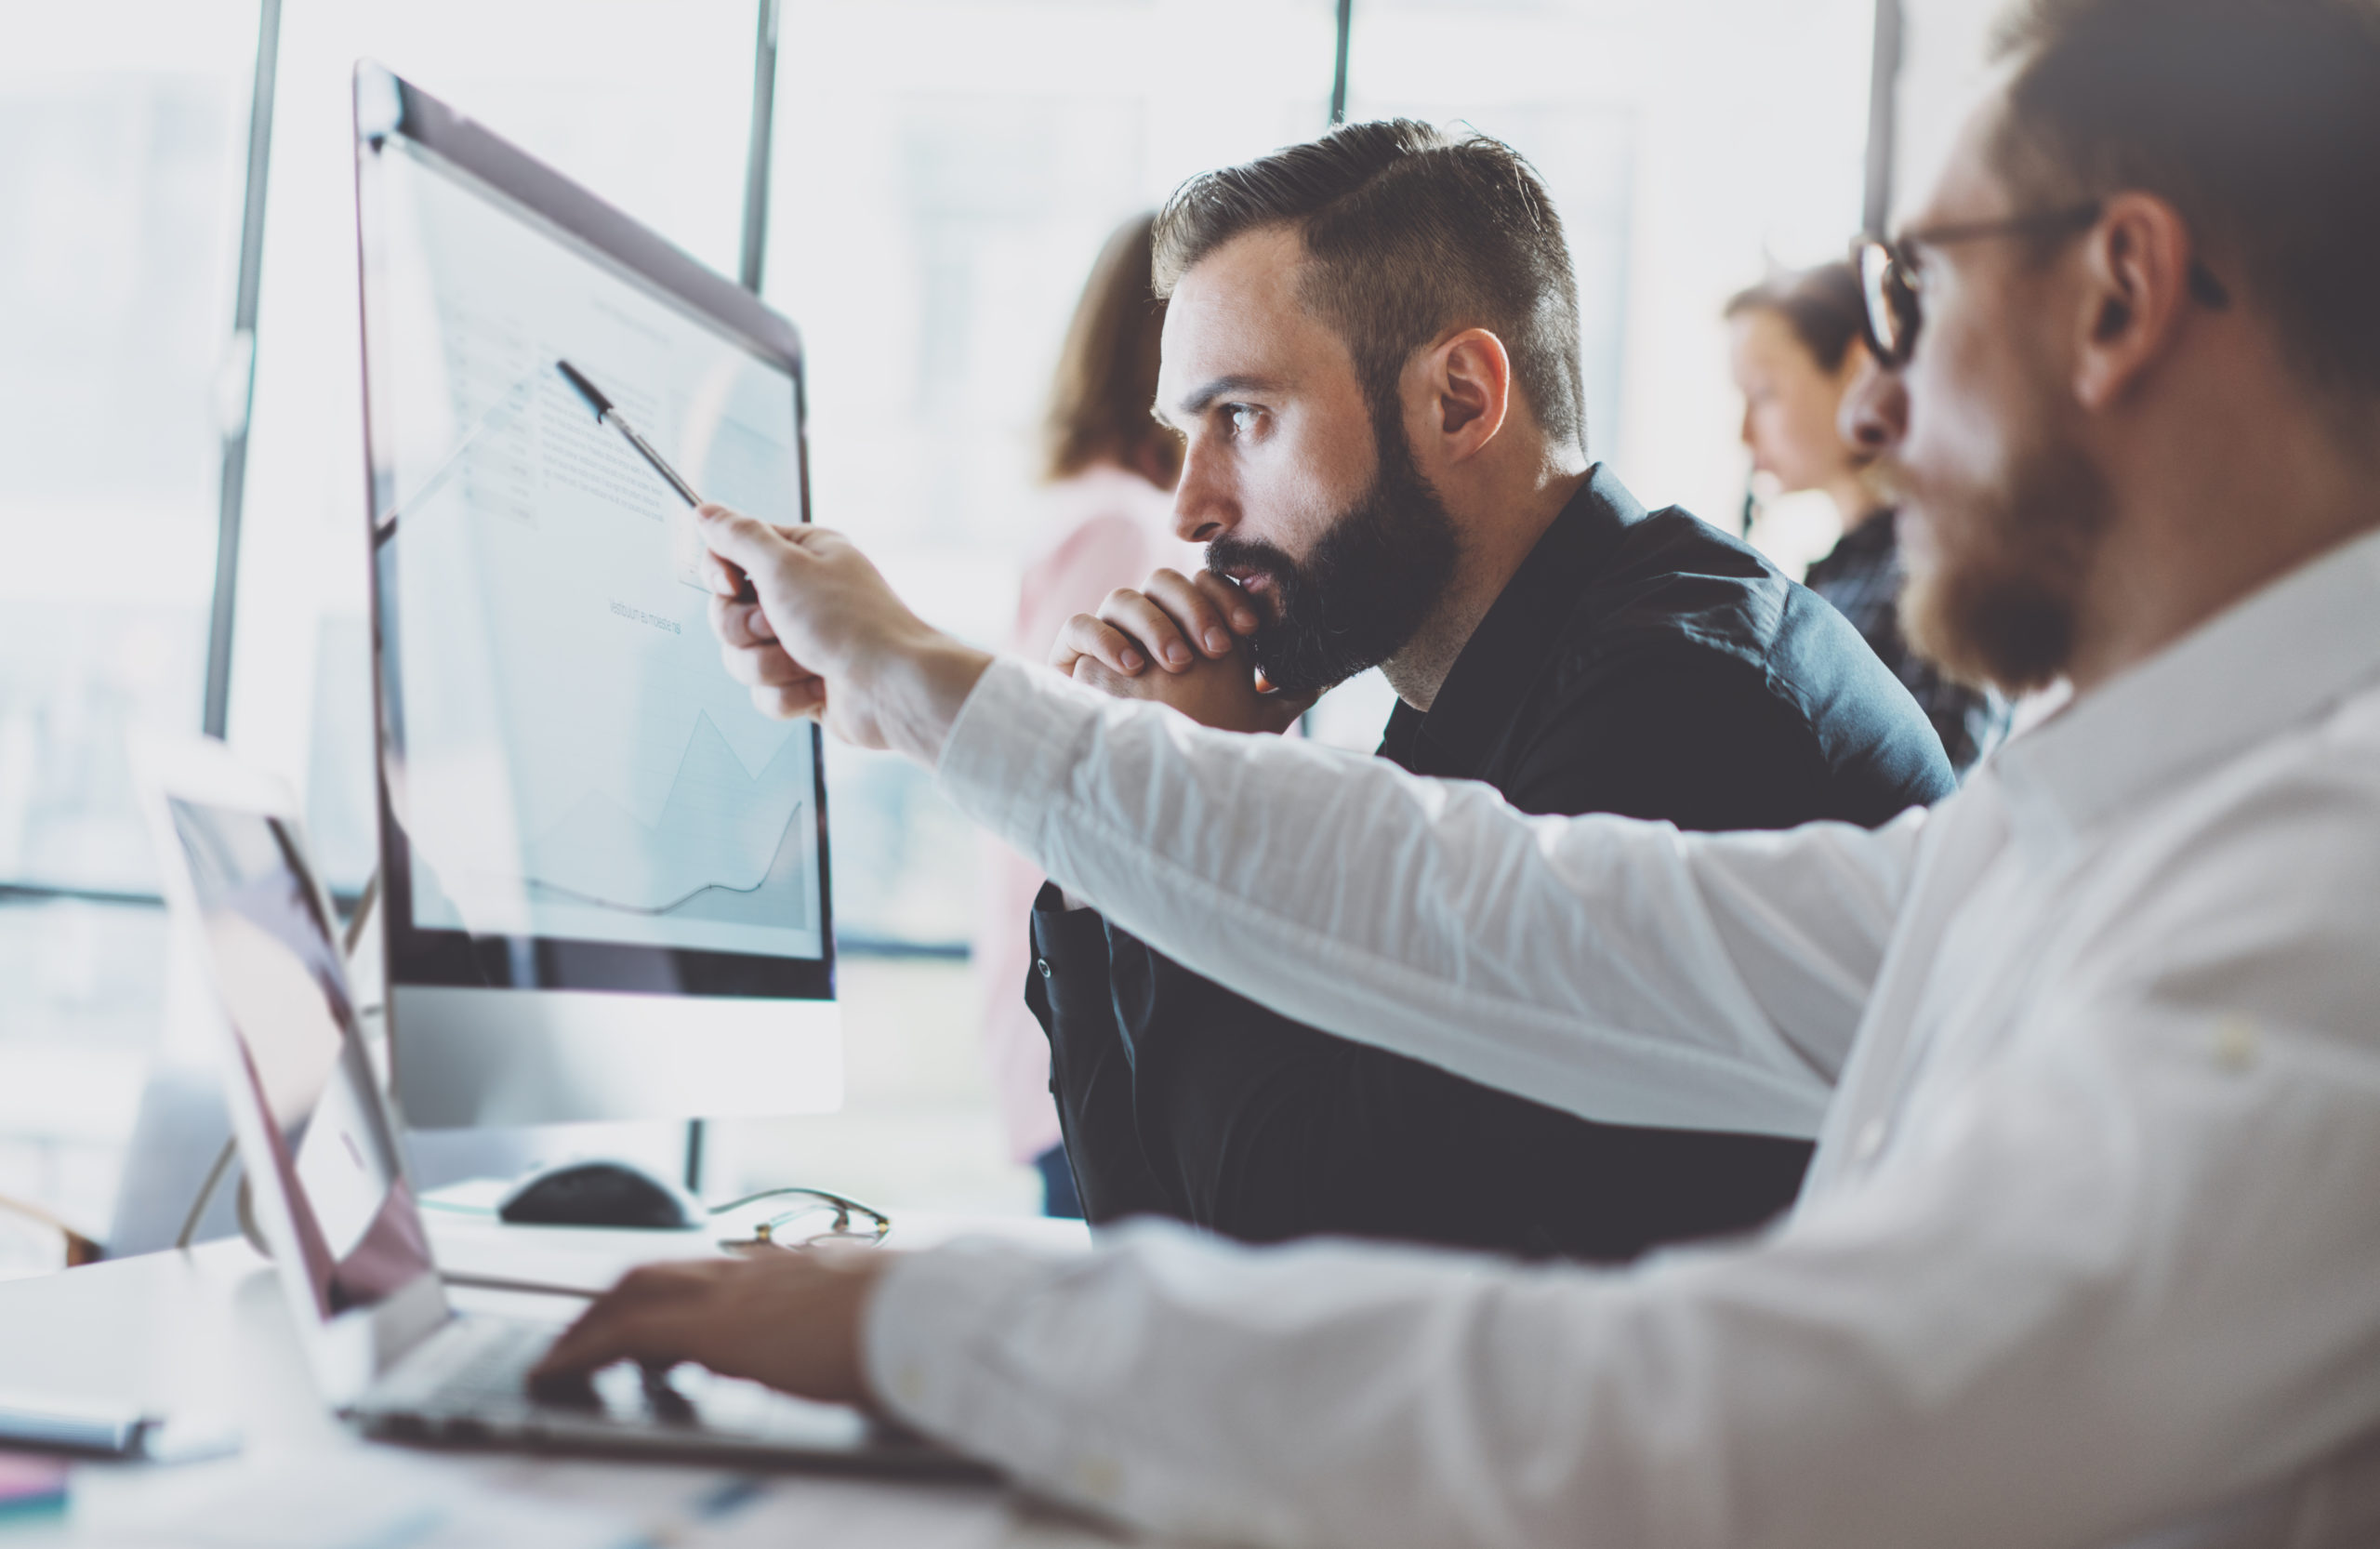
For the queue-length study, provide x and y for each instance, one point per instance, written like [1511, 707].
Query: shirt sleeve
[2114, 1269]
[1619, 968]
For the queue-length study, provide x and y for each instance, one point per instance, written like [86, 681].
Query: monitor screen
[280, 979]
[567, 764]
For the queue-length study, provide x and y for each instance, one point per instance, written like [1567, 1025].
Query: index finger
[1201, 615]
[746, 541]
[1227, 595]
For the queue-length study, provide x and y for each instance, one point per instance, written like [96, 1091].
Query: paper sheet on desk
[809, 1510]
[370, 1499]
[386, 1498]
[690, 1508]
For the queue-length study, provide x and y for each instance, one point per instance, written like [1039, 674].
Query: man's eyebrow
[1197, 402]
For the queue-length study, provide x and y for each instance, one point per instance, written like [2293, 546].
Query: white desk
[207, 1330]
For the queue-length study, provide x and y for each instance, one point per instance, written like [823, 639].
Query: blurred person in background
[1796, 351]
[1108, 520]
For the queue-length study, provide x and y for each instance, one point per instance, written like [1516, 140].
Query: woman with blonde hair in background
[1796, 348]
[1109, 471]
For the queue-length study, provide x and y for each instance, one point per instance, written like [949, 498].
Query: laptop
[319, 1142]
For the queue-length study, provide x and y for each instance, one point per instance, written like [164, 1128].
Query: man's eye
[1242, 417]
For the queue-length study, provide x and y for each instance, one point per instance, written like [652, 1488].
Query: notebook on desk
[319, 1141]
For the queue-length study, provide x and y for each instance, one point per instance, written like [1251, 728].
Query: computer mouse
[599, 1194]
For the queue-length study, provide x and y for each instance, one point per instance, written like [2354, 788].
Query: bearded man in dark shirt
[1371, 353]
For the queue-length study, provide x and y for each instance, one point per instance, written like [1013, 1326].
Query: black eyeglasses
[1889, 273]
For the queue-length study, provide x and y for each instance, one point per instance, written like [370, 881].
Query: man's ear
[1468, 382]
[2135, 266]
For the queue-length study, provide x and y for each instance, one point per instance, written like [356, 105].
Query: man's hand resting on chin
[1190, 629]
[828, 638]
[790, 1317]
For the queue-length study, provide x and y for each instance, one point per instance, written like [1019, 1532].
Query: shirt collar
[1510, 647]
[2262, 665]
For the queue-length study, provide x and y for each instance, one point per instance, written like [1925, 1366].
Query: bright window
[126, 132]
[944, 176]
[645, 102]
[942, 173]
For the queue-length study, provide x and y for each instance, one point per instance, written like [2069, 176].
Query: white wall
[1943, 73]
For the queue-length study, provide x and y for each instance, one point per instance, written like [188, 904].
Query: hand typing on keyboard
[791, 1320]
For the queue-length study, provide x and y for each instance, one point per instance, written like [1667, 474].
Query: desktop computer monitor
[603, 871]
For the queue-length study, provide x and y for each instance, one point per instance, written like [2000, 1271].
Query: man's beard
[1997, 603]
[1367, 587]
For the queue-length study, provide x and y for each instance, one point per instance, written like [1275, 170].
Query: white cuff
[931, 1346]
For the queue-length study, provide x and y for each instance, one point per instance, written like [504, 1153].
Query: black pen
[607, 414]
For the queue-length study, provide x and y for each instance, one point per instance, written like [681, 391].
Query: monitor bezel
[389, 107]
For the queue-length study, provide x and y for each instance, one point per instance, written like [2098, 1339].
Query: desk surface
[207, 1331]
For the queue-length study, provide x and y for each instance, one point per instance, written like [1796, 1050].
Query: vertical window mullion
[1883, 87]
[755, 244]
[1338, 68]
[241, 399]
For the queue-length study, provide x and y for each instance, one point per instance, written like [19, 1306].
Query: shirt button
[1870, 1140]
[1098, 1478]
[1041, 966]
[2236, 1043]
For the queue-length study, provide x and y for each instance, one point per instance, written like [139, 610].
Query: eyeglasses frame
[872, 1230]
[1886, 267]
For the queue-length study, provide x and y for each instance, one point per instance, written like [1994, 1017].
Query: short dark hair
[2258, 119]
[1107, 376]
[1823, 306]
[1408, 230]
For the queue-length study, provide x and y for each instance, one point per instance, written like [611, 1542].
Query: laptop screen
[282, 982]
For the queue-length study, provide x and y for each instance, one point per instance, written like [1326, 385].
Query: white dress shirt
[2090, 1251]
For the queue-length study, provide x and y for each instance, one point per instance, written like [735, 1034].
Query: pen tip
[587, 389]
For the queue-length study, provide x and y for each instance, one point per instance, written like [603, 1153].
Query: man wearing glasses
[2089, 1253]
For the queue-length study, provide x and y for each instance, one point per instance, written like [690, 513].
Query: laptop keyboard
[474, 1365]
[469, 1382]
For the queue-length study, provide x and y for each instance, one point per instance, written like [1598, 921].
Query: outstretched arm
[1619, 968]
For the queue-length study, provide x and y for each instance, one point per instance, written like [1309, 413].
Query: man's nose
[1874, 414]
[1202, 509]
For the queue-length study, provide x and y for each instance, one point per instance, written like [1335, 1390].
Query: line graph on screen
[725, 845]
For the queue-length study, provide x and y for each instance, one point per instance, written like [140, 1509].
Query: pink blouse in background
[1106, 528]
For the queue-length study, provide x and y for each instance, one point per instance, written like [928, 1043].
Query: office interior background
[922, 187]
